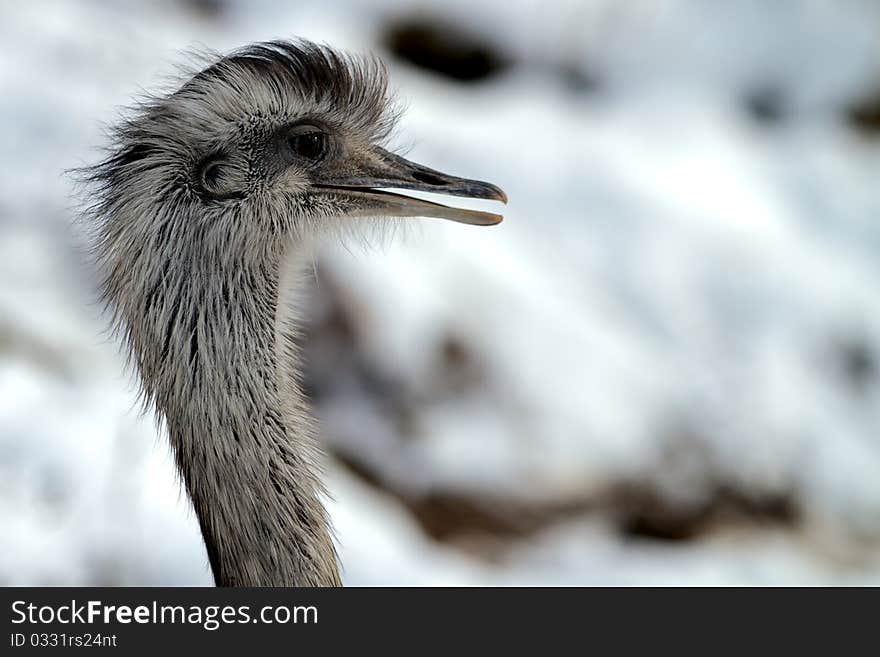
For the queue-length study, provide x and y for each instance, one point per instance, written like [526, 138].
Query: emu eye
[216, 178]
[307, 142]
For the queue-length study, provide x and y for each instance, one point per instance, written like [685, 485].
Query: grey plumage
[203, 213]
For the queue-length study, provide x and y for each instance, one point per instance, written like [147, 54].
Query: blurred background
[662, 368]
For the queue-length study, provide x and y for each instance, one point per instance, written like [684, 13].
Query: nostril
[428, 178]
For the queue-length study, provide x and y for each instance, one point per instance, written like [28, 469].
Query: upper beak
[382, 169]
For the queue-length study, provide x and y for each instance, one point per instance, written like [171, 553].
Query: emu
[204, 212]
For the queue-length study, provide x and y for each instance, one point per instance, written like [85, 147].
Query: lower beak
[384, 170]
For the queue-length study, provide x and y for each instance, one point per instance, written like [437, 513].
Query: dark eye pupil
[309, 145]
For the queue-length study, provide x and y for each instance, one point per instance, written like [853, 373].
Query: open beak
[360, 185]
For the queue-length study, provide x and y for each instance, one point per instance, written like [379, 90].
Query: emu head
[204, 191]
[274, 141]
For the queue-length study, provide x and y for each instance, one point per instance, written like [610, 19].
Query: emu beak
[359, 185]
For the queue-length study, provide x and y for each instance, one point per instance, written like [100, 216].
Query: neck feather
[222, 367]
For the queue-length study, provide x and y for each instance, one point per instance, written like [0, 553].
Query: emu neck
[240, 428]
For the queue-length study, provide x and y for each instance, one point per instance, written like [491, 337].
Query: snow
[667, 266]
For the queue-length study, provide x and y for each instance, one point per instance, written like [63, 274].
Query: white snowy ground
[667, 265]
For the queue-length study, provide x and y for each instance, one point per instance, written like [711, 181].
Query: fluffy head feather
[151, 221]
